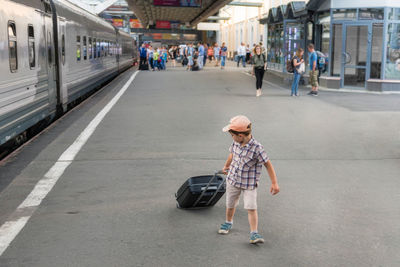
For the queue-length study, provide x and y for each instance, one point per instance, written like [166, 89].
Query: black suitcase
[195, 68]
[144, 66]
[201, 191]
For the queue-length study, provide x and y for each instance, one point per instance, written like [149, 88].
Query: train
[53, 54]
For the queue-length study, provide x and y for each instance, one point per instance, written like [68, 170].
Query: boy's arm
[227, 164]
[272, 175]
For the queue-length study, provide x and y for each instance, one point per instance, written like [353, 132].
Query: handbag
[302, 68]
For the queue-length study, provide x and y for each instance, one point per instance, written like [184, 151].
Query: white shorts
[233, 195]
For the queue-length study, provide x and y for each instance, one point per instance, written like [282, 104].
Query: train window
[63, 49]
[47, 6]
[94, 48]
[12, 46]
[84, 48]
[49, 51]
[31, 47]
[90, 47]
[78, 48]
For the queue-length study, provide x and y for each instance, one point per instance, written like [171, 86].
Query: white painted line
[10, 229]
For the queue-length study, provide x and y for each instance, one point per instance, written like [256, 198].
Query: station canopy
[187, 12]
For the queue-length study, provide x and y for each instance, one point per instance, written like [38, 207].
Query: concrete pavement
[337, 158]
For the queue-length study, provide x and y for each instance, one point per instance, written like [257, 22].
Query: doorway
[356, 55]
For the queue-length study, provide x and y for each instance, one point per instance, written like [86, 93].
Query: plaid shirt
[246, 166]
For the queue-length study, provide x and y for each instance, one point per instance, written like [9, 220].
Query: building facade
[361, 40]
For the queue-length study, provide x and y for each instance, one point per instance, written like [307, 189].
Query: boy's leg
[230, 212]
[250, 204]
[253, 220]
[232, 199]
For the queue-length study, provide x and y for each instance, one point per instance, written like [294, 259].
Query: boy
[243, 168]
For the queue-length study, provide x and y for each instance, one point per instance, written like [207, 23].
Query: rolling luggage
[201, 191]
[195, 68]
[144, 66]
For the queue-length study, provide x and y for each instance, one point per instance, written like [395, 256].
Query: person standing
[143, 55]
[259, 67]
[313, 70]
[297, 61]
[200, 59]
[210, 53]
[150, 52]
[205, 54]
[248, 54]
[223, 53]
[217, 50]
[241, 55]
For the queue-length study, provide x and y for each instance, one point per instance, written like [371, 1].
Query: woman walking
[223, 52]
[259, 67]
[297, 61]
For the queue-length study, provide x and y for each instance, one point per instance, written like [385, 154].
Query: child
[155, 58]
[243, 168]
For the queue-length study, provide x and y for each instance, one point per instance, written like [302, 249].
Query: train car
[52, 53]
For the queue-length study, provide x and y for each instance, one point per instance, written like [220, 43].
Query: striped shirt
[247, 161]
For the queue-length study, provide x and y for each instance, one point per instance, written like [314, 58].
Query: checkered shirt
[246, 165]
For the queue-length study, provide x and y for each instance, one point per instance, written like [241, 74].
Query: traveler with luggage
[143, 57]
[313, 70]
[243, 168]
[259, 62]
[296, 62]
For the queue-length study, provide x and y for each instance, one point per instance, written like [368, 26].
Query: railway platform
[97, 187]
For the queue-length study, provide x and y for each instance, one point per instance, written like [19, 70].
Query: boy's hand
[225, 170]
[274, 189]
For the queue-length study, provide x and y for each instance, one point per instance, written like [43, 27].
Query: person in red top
[210, 53]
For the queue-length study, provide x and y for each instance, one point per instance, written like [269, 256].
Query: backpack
[289, 66]
[321, 61]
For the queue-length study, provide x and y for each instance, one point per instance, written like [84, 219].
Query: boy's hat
[237, 124]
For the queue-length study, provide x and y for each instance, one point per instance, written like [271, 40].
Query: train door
[50, 56]
[62, 61]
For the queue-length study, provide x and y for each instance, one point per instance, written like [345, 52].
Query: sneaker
[256, 238]
[297, 94]
[310, 93]
[315, 93]
[224, 229]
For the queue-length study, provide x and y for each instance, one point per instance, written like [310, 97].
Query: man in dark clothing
[143, 55]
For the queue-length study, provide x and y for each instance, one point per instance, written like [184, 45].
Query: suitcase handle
[206, 188]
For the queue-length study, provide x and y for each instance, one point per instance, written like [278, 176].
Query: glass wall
[294, 39]
[392, 69]
[275, 43]
[376, 57]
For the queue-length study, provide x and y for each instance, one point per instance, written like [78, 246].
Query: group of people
[195, 57]
[155, 57]
[297, 63]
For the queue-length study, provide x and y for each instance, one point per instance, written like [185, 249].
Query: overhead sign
[163, 24]
[135, 24]
[208, 26]
[118, 22]
[179, 3]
